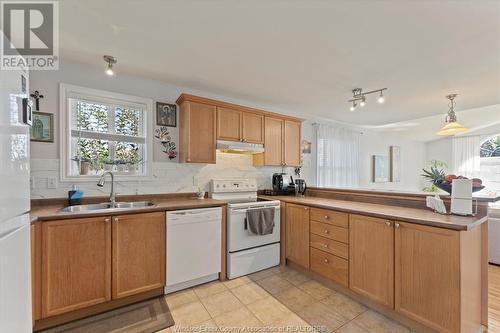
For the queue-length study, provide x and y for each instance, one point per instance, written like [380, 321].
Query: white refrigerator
[15, 267]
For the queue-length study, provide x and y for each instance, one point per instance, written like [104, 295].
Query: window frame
[67, 91]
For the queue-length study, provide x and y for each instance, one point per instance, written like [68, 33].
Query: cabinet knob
[107, 219]
[116, 219]
[326, 261]
[325, 246]
[387, 223]
[326, 231]
[306, 208]
[396, 225]
[326, 217]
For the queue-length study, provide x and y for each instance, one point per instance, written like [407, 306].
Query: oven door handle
[246, 224]
[240, 210]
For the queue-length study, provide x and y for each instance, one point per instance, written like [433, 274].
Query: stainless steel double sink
[107, 206]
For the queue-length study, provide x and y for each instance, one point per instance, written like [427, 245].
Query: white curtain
[466, 158]
[337, 156]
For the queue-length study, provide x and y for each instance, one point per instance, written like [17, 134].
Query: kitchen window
[490, 163]
[104, 131]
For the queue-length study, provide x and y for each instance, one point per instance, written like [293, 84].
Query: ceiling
[301, 56]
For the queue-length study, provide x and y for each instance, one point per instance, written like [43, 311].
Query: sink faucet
[100, 183]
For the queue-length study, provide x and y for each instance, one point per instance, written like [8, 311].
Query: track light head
[363, 102]
[381, 98]
[111, 61]
[353, 106]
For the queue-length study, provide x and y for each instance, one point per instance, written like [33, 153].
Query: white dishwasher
[193, 247]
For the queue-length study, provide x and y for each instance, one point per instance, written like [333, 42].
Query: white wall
[168, 176]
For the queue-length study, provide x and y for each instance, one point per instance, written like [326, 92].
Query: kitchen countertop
[404, 214]
[52, 211]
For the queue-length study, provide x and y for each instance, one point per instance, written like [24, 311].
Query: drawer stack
[329, 244]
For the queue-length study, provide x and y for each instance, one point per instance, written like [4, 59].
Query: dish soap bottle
[74, 196]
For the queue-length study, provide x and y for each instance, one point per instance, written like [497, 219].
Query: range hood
[239, 147]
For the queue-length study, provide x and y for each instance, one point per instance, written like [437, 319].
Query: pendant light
[452, 127]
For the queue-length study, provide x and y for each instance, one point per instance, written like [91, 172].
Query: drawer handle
[326, 261]
[326, 231]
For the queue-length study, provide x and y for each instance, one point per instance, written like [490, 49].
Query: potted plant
[440, 180]
[83, 164]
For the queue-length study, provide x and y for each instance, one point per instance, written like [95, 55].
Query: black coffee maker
[283, 184]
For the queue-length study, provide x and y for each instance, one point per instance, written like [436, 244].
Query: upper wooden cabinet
[282, 142]
[371, 258]
[197, 139]
[252, 127]
[203, 121]
[297, 234]
[138, 253]
[76, 264]
[273, 154]
[291, 143]
[234, 125]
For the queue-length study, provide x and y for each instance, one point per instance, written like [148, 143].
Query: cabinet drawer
[330, 231]
[330, 266]
[329, 216]
[330, 246]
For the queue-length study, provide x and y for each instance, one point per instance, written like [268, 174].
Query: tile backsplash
[168, 177]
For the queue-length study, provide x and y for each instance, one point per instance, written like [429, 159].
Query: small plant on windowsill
[83, 164]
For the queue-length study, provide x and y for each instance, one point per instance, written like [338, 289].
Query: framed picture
[380, 169]
[42, 129]
[395, 164]
[166, 114]
[306, 147]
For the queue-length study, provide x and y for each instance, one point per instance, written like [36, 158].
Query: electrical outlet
[52, 182]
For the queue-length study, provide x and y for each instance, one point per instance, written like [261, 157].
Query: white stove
[247, 252]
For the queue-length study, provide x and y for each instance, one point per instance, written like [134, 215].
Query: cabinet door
[428, 275]
[138, 253]
[371, 258]
[253, 127]
[273, 130]
[297, 234]
[292, 143]
[76, 264]
[228, 124]
[201, 130]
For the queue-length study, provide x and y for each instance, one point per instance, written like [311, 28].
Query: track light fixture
[359, 96]
[111, 61]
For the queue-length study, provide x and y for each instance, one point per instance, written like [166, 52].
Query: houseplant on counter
[440, 180]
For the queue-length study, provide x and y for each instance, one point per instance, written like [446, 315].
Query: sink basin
[106, 205]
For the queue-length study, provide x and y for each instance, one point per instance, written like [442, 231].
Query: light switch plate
[51, 182]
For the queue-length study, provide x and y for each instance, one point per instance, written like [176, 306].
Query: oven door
[240, 237]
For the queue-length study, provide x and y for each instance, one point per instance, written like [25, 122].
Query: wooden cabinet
[297, 234]
[282, 142]
[229, 124]
[371, 258]
[197, 132]
[76, 264]
[138, 253]
[291, 143]
[234, 125]
[330, 266]
[273, 138]
[252, 127]
[427, 287]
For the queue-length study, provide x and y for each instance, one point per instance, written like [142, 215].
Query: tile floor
[273, 300]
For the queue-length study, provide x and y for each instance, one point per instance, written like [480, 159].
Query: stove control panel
[233, 185]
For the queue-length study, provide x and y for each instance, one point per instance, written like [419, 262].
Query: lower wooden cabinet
[371, 258]
[76, 264]
[297, 234]
[138, 253]
[330, 266]
[88, 261]
[428, 275]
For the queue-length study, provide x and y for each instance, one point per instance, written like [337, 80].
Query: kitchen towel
[261, 221]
